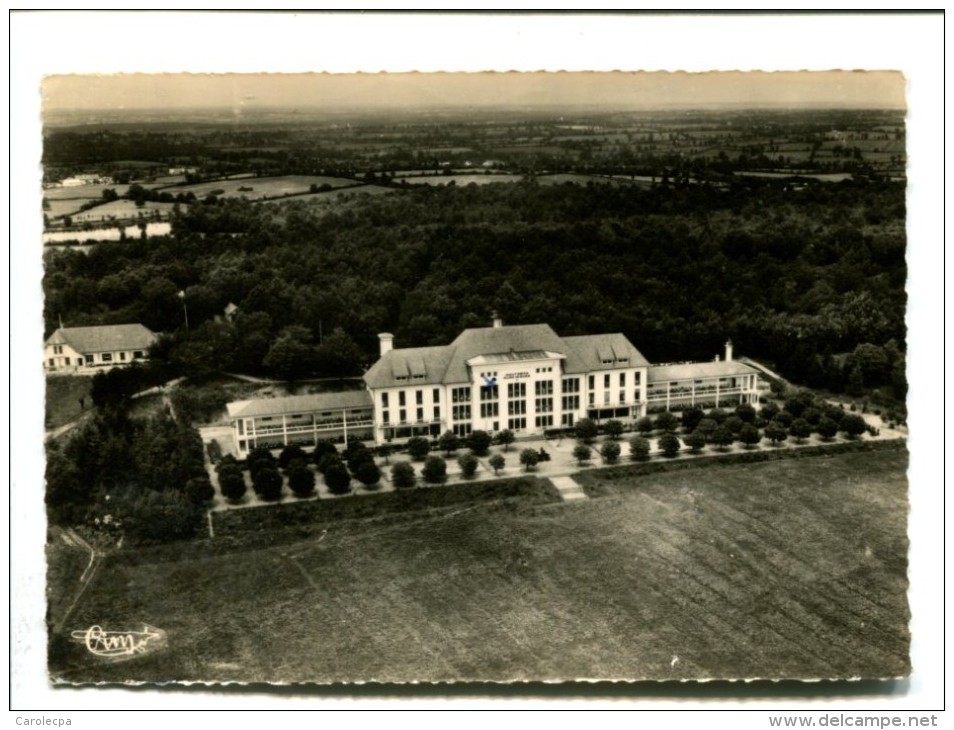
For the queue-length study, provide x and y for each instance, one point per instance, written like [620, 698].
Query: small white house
[70, 348]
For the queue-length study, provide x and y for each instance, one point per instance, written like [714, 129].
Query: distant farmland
[793, 568]
[257, 188]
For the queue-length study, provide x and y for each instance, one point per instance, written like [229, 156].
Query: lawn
[256, 188]
[791, 568]
[63, 393]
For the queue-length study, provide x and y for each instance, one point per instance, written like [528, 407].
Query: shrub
[826, 428]
[338, 479]
[435, 470]
[449, 442]
[706, 428]
[358, 456]
[613, 429]
[852, 425]
[214, 450]
[749, 435]
[529, 458]
[638, 448]
[468, 465]
[267, 483]
[745, 411]
[776, 432]
[718, 415]
[734, 424]
[384, 451]
[418, 447]
[227, 460]
[260, 456]
[199, 490]
[368, 473]
[644, 425]
[581, 452]
[695, 441]
[479, 442]
[322, 448]
[667, 422]
[798, 402]
[800, 429]
[610, 451]
[586, 430]
[301, 479]
[505, 438]
[722, 437]
[289, 454]
[402, 475]
[231, 483]
[669, 445]
[497, 462]
[329, 461]
[812, 415]
[769, 411]
[691, 417]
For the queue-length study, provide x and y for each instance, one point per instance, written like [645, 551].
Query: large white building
[524, 378]
[73, 348]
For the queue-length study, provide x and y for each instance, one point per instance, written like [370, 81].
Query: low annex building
[72, 348]
[524, 378]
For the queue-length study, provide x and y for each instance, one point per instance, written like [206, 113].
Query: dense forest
[800, 277]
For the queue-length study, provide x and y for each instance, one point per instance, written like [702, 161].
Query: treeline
[142, 479]
[801, 278]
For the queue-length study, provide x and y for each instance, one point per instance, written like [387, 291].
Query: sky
[618, 90]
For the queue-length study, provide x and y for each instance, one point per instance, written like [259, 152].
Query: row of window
[418, 398]
[402, 415]
[89, 359]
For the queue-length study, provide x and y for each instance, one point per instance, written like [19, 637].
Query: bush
[669, 445]
[529, 458]
[644, 425]
[323, 448]
[826, 428]
[613, 429]
[267, 483]
[798, 402]
[853, 425]
[581, 452]
[301, 479]
[214, 450]
[800, 429]
[745, 411]
[734, 424]
[695, 441]
[479, 442]
[812, 415]
[435, 470]
[586, 430]
[706, 428]
[338, 479]
[610, 451]
[784, 418]
[468, 465]
[691, 417]
[776, 432]
[769, 411]
[718, 415]
[368, 473]
[667, 422]
[199, 490]
[418, 448]
[449, 442]
[358, 456]
[638, 448]
[505, 438]
[749, 435]
[231, 483]
[497, 462]
[722, 437]
[329, 461]
[289, 454]
[402, 475]
[260, 456]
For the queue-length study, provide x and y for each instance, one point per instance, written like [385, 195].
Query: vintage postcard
[484, 377]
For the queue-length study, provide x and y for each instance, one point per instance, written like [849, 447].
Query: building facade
[72, 348]
[524, 378]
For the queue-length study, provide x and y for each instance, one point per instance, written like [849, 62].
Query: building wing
[104, 338]
[589, 353]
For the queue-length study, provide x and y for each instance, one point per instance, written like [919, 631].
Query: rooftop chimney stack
[387, 342]
[498, 322]
[728, 350]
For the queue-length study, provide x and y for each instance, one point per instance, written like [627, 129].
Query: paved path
[568, 488]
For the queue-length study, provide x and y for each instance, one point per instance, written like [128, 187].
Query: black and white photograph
[474, 377]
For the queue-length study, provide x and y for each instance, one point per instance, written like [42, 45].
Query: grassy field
[775, 570]
[62, 398]
[262, 187]
[122, 210]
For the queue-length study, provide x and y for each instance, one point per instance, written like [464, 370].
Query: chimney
[498, 322]
[387, 342]
[728, 350]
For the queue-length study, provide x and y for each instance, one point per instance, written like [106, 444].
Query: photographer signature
[119, 644]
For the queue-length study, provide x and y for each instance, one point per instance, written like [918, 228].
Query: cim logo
[117, 645]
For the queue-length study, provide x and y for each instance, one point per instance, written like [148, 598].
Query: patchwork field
[774, 570]
[262, 187]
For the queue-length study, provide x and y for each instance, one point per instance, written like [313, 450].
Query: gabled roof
[348, 400]
[587, 353]
[429, 362]
[104, 338]
[498, 340]
[698, 371]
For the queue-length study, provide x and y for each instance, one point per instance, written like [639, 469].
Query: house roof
[698, 371]
[491, 345]
[104, 338]
[347, 400]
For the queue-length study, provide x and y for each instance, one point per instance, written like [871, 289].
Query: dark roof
[348, 400]
[601, 352]
[448, 364]
[698, 370]
[104, 338]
